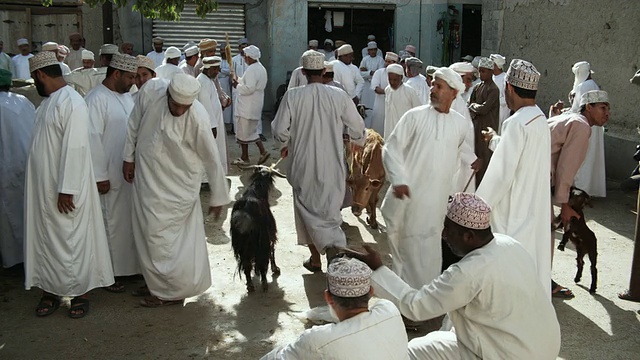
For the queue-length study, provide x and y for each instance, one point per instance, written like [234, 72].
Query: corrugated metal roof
[230, 18]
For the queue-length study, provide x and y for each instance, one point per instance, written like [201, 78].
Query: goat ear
[375, 182]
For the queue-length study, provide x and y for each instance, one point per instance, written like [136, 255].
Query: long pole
[633, 294]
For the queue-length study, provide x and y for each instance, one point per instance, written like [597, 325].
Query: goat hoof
[276, 271]
[251, 288]
[372, 223]
[576, 280]
[561, 247]
[592, 291]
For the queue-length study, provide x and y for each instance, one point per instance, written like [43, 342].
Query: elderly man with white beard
[420, 180]
[399, 98]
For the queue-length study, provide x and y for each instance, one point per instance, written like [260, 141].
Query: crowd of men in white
[110, 183]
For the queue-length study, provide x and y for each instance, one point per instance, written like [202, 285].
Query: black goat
[580, 235]
[253, 228]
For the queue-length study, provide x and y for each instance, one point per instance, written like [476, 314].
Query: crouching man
[493, 297]
[363, 332]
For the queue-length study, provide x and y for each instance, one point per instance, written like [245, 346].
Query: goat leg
[371, 210]
[593, 259]
[563, 242]
[272, 257]
[247, 274]
[579, 262]
[263, 281]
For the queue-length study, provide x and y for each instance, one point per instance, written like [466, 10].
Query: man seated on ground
[493, 297]
[362, 332]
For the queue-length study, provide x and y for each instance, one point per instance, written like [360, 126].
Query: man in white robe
[379, 82]
[17, 119]
[5, 60]
[110, 105]
[87, 77]
[328, 50]
[157, 54]
[416, 80]
[170, 67]
[239, 67]
[467, 71]
[146, 72]
[190, 60]
[297, 77]
[365, 50]
[399, 98]
[168, 143]
[361, 332]
[208, 97]
[316, 170]
[517, 179]
[224, 79]
[592, 174]
[74, 59]
[492, 296]
[66, 248]
[21, 61]
[250, 99]
[419, 180]
[348, 74]
[368, 67]
[498, 79]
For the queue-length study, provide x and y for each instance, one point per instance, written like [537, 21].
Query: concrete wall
[555, 34]
[92, 27]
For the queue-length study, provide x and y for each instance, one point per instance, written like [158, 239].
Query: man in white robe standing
[74, 59]
[368, 67]
[498, 79]
[190, 60]
[85, 78]
[379, 82]
[592, 174]
[348, 74]
[365, 50]
[415, 79]
[168, 143]
[5, 60]
[157, 54]
[21, 61]
[250, 99]
[239, 67]
[110, 105]
[492, 295]
[517, 178]
[420, 180]
[464, 175]
[399, 98]
[224, 79]
[17, 120]
[66, 247]
[208, 97]
[170, 67]
[309, 126]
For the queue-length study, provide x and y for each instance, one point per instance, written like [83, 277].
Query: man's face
[88, 64]
[241, 48]
[429, 80]
[158, 47]
[485, 74]
[24, 49]
[509, 95]
[124, 81]
[75, 42]
[395, 81]
[192, 60]
[346, 58]
[599, 113]
[105, 60]
[209, 52]
[327, 46]
[37, 81]
[388, 62]
[60, 57]
[212, 72]
[143, 76]
[441, 94]
[176, 109]
[467, 79]
[313, 47]
[174, 61]
[372, 52]
[127, 49]
[454, 238]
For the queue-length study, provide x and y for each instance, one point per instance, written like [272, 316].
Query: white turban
[498, 59]
[172, 52]
[87, 55]
[451, 77]
[462, 67]
[184, 88]
[50, 46]
[395, 69]
[23, 41]
[252, 51]
[594, 97]
[372, 45]
[581, 70]
[345, 49]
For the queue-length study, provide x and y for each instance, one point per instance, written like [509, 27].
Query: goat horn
[273, 166]
[278, 173]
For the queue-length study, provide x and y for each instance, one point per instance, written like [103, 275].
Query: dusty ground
[227, 323]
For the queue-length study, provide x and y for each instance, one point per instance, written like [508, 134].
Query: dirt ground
[227, 323]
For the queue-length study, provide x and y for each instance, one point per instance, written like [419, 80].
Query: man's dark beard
[39, 86]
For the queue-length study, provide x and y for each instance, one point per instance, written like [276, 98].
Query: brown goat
[580, 235]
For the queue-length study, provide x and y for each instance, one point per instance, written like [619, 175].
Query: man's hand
[356, 100]
[226, 102]
[556, 109]
[215, 210]
[370, 257]
[284, 152]
[215, 132]
[346, 138]
[379, 90]
[234, 83]
[371, 73]
[400, 191]
[364, 68]
[128, 171]
[488, 134]
[65, 203]
[566, 213]
[476, 165]
[103, 187]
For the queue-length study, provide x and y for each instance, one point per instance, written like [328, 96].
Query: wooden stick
[469, 182]
[227, 51]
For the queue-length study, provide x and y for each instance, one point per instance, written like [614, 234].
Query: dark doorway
[358, 24]
[471, 34]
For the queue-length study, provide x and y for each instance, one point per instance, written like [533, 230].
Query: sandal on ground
[563, 293]
[240, 162]
[79, 304]
[627, 296]
[264, 157]
[141, 291]
[116, 287]
[313, 268]
[48, 305]
[154, 302]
